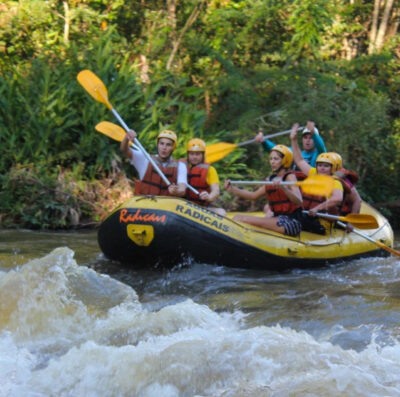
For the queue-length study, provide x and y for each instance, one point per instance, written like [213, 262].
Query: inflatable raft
[148, 231]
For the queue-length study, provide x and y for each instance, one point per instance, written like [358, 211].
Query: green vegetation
[217, 69]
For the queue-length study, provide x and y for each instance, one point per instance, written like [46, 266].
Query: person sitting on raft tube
[284, 200]
[150, 181]
[312, 142]
[202, 176]
[326, 165]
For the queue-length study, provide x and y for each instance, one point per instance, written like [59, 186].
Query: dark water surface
[74, 323]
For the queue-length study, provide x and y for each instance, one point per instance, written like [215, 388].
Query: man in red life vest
[150, 181]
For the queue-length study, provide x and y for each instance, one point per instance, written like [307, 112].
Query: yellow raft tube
[154, 230]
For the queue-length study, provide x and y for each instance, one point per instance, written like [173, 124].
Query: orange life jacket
[152, 184]
[197, 177]
[277, 199]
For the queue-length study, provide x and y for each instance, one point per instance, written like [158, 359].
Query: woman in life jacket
[284, 200]
[150, 182]
[326, 165]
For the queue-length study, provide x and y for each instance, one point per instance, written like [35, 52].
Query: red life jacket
[345, 207]
[352, 176]
[152, 184]
[310, 201]
[348, 179]
[277, 199]
[197, 177]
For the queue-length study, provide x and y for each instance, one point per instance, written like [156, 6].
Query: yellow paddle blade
[362, 221]
[94, 86]
[112, 130]
[218, 151]
[317, 185]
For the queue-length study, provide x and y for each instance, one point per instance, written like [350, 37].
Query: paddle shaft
[267, 137]
[141, 148]
[148, 157]
[376, 242]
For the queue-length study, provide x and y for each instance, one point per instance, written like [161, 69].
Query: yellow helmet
[287, 154]
[329, 158]
[337, 160]
[196, 145]
[169, 135]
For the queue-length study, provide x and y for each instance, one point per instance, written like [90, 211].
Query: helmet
[330, 158]
[196, 145]
[307, 131]
[169, 135]
[337, 159]
[287, 155]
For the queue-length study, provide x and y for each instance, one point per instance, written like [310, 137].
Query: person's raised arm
[298, 158]
[266, 143]
[124, 146]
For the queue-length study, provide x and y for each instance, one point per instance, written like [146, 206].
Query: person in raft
[202, 176]
[326, 164]
[313, 144]
[284, 200]
[150, 181]
[351, 198]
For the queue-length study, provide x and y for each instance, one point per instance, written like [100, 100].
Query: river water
[73, 323]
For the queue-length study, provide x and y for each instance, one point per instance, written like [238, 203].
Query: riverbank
[63, 201]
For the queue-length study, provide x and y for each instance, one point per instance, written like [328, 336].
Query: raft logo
[206, 218]
[126, 217]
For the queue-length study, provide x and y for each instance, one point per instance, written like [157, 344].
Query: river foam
[66, 330]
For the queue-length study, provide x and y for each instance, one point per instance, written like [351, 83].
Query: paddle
[113, 131]
[318, 185]
[96, 88]
[362, 221]
[218, 151]
[372, 240]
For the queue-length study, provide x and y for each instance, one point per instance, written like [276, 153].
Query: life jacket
[152, 184]
[345, 206]
[277, 199]
[310, 200]
[352, 176]
[197, 177]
